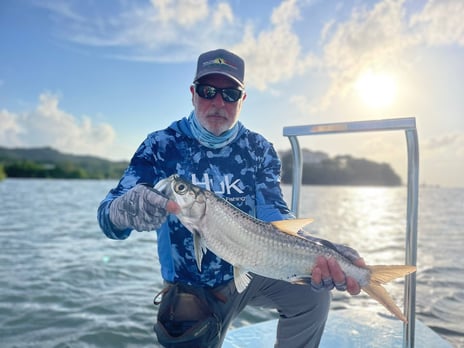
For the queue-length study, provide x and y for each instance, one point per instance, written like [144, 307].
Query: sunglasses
[229, 95]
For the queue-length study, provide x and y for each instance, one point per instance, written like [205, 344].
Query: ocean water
[64, 284]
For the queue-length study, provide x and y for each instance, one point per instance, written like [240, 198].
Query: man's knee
[302, 321]
[306, 303]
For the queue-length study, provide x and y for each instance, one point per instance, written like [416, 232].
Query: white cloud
[442, 159]
[440, 22]
[274, 55]
[162, 30]
[48, 125]
[371, 39]
[176, 30]
[10, 130]
[223, 14]
[378, 39]
[184, 13]
[442, 143]
[374, 37]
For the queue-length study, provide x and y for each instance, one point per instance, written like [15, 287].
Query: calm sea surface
[64, 284]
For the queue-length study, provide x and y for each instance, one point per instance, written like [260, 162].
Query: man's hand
[142, 208]
[328, 274]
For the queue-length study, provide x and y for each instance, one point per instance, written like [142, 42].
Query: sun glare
[377, 90]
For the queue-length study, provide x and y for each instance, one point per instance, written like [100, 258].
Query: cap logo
[219, 61]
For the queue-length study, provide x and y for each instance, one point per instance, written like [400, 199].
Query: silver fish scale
[259, 247]
[251, 245]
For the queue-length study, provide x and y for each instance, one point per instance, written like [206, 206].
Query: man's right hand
[142, 208]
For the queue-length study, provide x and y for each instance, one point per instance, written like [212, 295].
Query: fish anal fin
[291, 226]
[241, 279]
[378, 293]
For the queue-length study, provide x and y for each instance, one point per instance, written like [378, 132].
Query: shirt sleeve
[140, 170]
[270, 204]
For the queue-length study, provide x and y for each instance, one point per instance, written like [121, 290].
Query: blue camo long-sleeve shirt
[245, 172]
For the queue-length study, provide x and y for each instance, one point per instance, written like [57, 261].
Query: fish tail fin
[381, 275]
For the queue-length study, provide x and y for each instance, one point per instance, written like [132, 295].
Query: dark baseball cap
[221, 62]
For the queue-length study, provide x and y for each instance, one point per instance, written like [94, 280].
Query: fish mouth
[164, 185]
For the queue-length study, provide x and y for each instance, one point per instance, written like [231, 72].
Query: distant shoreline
[318, 168]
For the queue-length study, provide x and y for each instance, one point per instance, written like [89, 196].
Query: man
[214, 150]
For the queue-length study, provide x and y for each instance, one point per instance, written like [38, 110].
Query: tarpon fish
[272, 249]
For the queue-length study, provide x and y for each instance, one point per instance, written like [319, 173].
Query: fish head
[190, 198]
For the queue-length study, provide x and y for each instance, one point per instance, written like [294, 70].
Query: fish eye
[181, 188]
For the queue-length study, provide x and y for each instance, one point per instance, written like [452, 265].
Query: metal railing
[408, 125]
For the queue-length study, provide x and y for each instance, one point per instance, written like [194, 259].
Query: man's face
[216, 115]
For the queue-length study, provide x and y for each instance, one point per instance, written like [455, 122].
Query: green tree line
[29, 169]
[49, 163]
[318, 170]
[2, 172]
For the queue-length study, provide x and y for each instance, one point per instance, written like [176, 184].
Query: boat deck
[344, 329]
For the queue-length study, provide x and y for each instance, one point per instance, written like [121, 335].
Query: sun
[376, 89]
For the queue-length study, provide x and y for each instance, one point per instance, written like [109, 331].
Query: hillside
[49, 163]
[319, 168]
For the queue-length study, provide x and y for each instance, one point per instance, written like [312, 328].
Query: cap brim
[220, 73]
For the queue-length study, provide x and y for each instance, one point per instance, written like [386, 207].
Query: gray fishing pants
[302, 311]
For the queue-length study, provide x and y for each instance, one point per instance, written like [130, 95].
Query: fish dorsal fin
[241, 279]
[291, 226]
[199, 248]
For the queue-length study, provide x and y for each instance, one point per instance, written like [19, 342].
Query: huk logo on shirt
[226, 186]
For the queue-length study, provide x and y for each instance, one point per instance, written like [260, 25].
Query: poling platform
[361, 328]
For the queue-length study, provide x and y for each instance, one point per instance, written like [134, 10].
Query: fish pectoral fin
[241, 279]
[301, 280]
[291, 226]
[199, 248]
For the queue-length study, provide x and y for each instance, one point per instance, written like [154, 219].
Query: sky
[95, 77]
